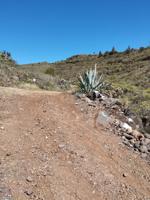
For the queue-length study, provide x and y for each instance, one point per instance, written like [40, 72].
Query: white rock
[2, 128]
[130, 120]
[117, 122]
[103, 119]
[126, 127]
[97, 94]
[61, 146]
[34, 80]
[103, 97]
[82, 109]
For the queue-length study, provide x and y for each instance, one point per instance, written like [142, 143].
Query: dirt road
[48, 151]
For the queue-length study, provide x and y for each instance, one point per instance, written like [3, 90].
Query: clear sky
[50, 30]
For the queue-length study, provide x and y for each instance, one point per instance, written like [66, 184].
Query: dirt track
[48, 151]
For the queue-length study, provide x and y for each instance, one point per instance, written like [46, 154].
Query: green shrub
[50, 71]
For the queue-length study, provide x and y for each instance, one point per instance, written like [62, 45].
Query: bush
[141, 49]
[106, 53]
[50, 71]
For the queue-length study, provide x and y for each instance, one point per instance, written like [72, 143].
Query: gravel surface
[50, 151]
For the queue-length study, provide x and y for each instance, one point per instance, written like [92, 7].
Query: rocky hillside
[128, 72]
[11, 75]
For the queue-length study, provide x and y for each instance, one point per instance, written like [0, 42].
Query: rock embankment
[110, 113]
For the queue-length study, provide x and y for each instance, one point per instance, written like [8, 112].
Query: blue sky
[51, 30]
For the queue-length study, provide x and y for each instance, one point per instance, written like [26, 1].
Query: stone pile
[111, 115]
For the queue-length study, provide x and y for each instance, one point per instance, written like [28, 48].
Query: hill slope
[11, 75]
[128, 72]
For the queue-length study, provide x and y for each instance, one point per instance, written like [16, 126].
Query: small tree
[113, 51]
[100, 54]
[6, 55]
[128, 50]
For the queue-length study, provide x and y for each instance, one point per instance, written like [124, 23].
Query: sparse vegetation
[5, 57]
[12, 75]
[127, 71]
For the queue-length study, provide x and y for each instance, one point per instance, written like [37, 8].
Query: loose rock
[103, 118]
[143, 155]
[28, 192]
[124, 175]
[126, 127]
[29, 179]
[129, 137]
[8, 154]
[137, 145]
[147, 135]
[61, 146]
[143, 149]
[2, 128]
[130, 120]
[137, 134]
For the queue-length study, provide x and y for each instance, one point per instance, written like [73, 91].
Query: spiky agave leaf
[90, 81]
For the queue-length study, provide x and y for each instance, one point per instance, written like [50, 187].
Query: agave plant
[90, 81]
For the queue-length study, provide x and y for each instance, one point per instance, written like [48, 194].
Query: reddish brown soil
[48, 151]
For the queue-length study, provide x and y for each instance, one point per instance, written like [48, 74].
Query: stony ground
[49, 151]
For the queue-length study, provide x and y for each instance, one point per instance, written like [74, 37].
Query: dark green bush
[50, 71]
